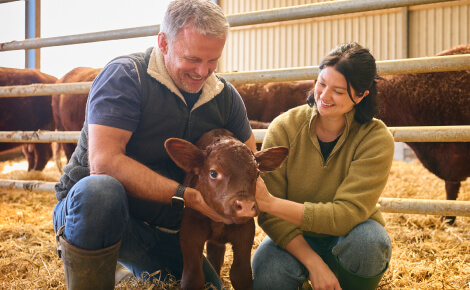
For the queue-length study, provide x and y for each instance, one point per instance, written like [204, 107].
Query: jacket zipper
[188, 127]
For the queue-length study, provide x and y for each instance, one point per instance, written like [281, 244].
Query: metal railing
[386, 67]
[257, 17]
[403, 134]
[400, 134]
[389, 205]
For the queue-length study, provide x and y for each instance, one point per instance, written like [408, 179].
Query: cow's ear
[271, 158]
[187, 156]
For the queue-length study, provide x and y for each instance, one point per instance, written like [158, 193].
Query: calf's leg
[242, 241]
[193, 235]
[215, 255]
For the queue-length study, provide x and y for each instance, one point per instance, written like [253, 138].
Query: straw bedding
[427, 254]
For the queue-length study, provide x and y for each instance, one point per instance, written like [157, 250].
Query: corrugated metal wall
[431, 28]
[434, 28]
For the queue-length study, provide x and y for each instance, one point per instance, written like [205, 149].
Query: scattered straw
[427, 254]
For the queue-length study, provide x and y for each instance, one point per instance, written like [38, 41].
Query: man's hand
[193, 199]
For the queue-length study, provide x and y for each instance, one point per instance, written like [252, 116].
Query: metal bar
[400, 134]
[30, 32]
[259, 135]
[82, 38]
[412, 134]
[318, 10]
[45, 89]
[425, 206]
[389, 205]
[33, 30]
[265, 16]
[39, 136]
[29, 185]
[424, 64]
[431, 134]
[386, 67]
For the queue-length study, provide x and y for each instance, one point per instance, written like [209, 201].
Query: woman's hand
[282, 208]
[263, 197]
[322, 277]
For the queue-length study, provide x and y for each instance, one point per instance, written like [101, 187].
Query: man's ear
[162, 43]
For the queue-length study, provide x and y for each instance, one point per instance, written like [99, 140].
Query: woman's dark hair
[357, 65]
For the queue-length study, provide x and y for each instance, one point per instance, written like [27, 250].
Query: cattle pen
[385, 67]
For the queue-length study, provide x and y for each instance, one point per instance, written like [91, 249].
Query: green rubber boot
[87, 269]
[351, 281]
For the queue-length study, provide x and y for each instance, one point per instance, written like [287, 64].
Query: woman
[322, 220]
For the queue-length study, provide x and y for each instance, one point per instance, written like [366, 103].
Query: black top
[191, 98]
[327, 147]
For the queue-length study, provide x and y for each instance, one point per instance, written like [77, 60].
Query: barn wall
[298, 43]
[434, 28]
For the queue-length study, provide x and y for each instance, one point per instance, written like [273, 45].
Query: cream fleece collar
[157, 69]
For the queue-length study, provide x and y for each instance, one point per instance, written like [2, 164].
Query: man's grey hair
[204, 15]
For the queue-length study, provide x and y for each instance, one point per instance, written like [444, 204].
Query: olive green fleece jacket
[338, 193]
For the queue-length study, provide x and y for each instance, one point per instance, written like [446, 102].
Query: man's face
[191, 58]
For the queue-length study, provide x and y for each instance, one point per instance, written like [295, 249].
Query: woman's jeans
[366, 251]
[96, 215]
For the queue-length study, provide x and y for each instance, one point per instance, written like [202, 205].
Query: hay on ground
[427, 254]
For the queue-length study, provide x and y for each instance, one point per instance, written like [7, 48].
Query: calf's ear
[271, 158]
[187, 156]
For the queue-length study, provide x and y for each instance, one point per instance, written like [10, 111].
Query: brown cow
[224, 170]
[433, 99]
[27, 114]
[69, 109]
[264, 102]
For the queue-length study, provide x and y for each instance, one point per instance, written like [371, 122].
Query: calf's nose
[245, 208]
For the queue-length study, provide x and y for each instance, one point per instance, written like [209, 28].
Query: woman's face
[331, 94]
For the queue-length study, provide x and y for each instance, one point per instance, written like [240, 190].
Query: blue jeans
[366, 251]
[96, 215]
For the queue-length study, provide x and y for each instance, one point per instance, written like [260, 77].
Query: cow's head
[225, 172]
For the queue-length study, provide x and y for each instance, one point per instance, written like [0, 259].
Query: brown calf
[224, 170]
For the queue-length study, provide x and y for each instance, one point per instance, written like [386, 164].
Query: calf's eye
[213, 173]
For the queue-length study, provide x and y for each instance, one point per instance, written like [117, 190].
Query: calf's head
[225, 172]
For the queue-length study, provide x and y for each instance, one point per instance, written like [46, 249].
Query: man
[120, 197]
